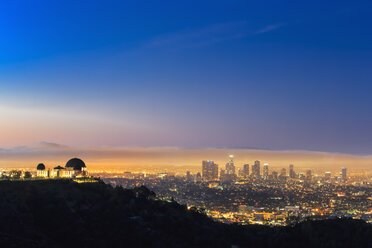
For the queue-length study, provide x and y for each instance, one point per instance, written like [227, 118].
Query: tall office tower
[222, 174]
[224, 177]
[302, 176]
[327, 175]
[198, 177]
[205, 169]
[291, 172]
[275, 175]
[209, 170]
[256, 169]
[241, 172]
[283, 174]
[246, 170]
[214, 172]
[309, 176]
[343, 174]
[266, 171]
[188, 176]
[230, 167]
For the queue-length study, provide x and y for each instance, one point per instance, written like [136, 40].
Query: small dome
[40, 166]
[59, 168]
[76, 164]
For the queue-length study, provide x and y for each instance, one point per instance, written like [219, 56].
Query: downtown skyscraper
[246, 170]
[266, 171]
[230, 167]
[209, 170]
[344, 174]
[292, 173]
[256, 169]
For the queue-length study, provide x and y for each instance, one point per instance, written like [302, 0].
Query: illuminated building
[230, 167]
[302, 177]
[327, 176]
[227, 177]
[266, 171]
[256, 169]
[188, 176]
[309, 176]
[283, 174]
[41, 171]
[343, 174]
[291, 172]
[275, 175]
[243, 209]
[74, 168]
[222, 173]
[198, 177]
[246, 170]
[128, 174]
[209, 170]
[241, 173]
[224, 177]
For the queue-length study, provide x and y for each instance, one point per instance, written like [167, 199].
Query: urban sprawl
[249, 196]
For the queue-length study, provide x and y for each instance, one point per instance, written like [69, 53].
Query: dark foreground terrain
[62, 213]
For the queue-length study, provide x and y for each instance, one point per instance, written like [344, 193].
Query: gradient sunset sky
[279, 75]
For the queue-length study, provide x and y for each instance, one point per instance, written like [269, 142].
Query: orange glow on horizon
[176, 159]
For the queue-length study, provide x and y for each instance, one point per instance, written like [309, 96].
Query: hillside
[61, 213]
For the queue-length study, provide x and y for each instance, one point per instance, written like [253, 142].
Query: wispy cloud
[202, 36]
[269, 28]
[208, 35]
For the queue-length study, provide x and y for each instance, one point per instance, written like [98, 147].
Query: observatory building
[74, 168]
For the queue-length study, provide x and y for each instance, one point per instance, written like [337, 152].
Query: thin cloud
[221, 39]
[209, 35]
[203, 36]
[269, 28]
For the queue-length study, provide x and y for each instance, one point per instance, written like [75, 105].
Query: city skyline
[232, 173]
[177, 159]
[276, 76]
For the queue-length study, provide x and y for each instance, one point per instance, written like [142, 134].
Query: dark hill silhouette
[62, 213]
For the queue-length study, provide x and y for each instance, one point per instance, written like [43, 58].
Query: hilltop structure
[74, 168]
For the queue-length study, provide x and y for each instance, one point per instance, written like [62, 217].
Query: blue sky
[238, 74]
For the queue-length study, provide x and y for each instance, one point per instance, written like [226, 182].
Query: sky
[272, 75]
